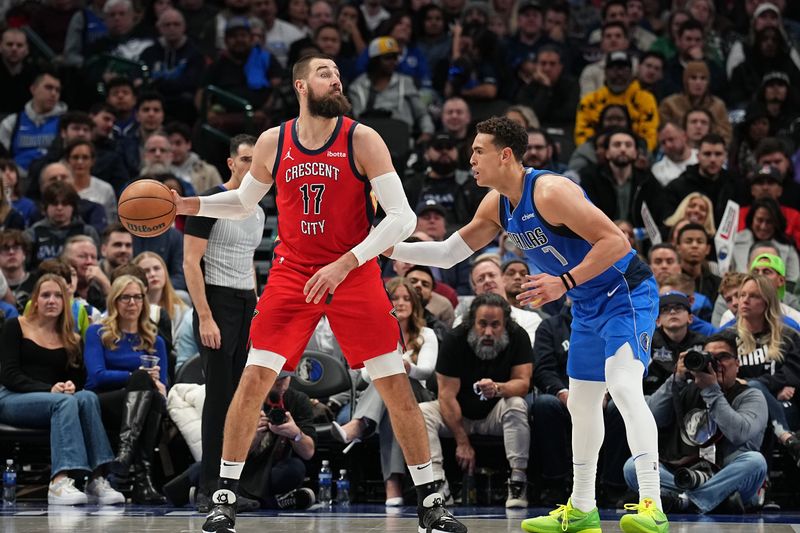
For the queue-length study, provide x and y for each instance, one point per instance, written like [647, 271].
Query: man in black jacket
[618, 188]
[671, 338]
[708, 176]
[551, 93]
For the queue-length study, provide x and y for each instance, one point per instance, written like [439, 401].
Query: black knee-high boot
[143, 490]
[134, 416]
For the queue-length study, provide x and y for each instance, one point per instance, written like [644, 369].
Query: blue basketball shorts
[601, 325]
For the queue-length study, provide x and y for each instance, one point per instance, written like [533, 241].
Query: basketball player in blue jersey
[615, 303]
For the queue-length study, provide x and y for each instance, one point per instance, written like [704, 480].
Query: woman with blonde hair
[422, 350]
[160, 290]
[10, 218]
[695, 207]
[126, 363]
[42, 375]
[523, 115]
[769, 355]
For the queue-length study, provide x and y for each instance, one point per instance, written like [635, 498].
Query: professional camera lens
[689, 479]
[697, 361]
[276, 417]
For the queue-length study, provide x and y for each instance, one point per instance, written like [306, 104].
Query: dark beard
[329, 106]
[444, 168]
[620, 162]
[484, 352]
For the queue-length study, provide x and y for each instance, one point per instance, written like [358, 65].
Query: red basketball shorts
[360, 313]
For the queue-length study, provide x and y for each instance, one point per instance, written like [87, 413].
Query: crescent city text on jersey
[316, 169]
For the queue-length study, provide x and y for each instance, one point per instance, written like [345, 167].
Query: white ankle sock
[231, 469]
[648, 477]
[421, 474]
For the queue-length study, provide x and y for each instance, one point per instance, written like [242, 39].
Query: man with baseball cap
[530, 36]
[622, 89]
[671, 338]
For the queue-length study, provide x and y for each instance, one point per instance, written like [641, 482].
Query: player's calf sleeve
[624, 379]
[585, 405]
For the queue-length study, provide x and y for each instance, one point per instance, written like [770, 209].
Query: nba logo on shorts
[644, 341]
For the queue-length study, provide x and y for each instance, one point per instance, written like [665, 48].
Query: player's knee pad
[385, 365]
[624, 377]
[266, 359]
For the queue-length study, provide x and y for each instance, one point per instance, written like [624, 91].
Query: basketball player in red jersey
[324, 166]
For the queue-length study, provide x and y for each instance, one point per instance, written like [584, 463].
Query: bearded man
[483, 372]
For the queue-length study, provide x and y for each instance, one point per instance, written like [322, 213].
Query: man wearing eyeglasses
[671, 338]
[734, 417]
[15, 246]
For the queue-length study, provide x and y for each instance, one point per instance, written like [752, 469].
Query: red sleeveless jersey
[324, 203]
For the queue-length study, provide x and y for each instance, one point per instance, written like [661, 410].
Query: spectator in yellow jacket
[620, 88]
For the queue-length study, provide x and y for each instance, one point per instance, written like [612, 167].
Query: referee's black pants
[232, 310]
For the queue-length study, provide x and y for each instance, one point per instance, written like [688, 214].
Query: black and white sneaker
[222, 517]
[517, 495]
[434, 518]
[302, 498]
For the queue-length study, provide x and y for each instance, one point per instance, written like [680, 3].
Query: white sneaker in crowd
[99, 491]
[64, 492]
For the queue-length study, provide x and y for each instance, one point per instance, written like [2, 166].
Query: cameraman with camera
[710, 426]
[274, 471]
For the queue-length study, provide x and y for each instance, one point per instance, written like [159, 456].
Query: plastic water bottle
[469, 490]
[325, 482]
[343, 489]
[10, 483]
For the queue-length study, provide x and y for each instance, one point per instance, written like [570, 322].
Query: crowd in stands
[667, 113]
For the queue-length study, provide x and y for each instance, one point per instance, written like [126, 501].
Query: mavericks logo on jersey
[529, 240]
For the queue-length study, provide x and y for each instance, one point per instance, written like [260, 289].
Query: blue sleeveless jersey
[556, 250]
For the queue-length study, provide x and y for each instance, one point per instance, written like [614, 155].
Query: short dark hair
[327, 26]
[507, 134]
[120, 81]
[76, 143]
[553, 49]
[60, 191]
[558, 7]
[100, 107]
[690, 25]
[510, 262]
[661, 246]
[46, 72]
[703, 110]
[493, 300]
[654, 54]
[421, 268]
[728, 336]
[179, 128]
[712, 138]
[150, 96]
[617, 131]
[300, 67]
[238, 140]
[114, 227]
[607, 5]
[74, 117]
[692, 226]
[770, 145]
[614, 24]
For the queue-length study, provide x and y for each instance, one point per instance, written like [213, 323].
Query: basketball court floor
[38, 518]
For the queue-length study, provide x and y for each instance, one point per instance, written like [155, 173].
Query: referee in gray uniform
[218, 266]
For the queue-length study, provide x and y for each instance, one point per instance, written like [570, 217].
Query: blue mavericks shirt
[557, 249]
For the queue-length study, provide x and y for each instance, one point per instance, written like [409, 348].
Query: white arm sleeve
[236, 204]
[399, 223]
[443, 254]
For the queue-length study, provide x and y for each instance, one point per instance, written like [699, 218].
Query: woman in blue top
[131, 396]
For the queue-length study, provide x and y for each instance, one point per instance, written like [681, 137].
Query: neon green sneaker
[565, 519]
[648, 518]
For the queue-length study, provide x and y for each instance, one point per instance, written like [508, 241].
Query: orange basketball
[146, 208]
